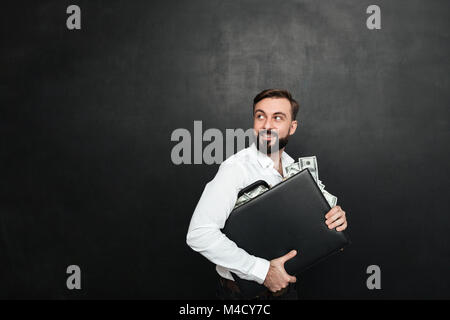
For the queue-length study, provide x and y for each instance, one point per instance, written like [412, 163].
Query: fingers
[334, 217]
[343, 227]
[288, 256]
[337, 223]
[287, 280]
[333, 211]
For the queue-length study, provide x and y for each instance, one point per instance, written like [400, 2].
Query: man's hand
[336, 218]
[277, 278]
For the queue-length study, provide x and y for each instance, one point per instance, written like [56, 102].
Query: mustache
[268, 132]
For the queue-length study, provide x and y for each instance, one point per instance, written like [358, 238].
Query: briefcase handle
[253, 186]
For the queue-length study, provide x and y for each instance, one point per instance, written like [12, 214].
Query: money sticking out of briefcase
[289, 216]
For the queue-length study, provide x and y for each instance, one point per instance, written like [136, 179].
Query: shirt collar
[266, 162]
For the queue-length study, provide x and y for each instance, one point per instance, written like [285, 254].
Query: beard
[274, 145]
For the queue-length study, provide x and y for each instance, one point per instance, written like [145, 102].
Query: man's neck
[276, 158]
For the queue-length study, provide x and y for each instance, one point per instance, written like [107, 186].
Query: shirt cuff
[260, 269]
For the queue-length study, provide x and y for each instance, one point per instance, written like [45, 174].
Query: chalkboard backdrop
[87, 115]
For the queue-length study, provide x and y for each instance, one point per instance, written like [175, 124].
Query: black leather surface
[289, 216]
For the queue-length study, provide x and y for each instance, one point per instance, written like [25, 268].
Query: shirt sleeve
[204, 233]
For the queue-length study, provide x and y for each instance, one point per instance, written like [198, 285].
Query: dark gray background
[86, 118]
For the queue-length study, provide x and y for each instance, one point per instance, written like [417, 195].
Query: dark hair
[277, 93]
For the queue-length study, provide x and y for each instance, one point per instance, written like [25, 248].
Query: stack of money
[250, 195]
[310, 163]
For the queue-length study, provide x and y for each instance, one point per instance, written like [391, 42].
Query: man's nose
[267, 124]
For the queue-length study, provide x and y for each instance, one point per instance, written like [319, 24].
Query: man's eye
[277, 118]
[259, 116]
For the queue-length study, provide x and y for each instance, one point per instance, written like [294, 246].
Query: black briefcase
[289, 216]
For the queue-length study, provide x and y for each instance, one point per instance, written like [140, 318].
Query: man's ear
[293, 127]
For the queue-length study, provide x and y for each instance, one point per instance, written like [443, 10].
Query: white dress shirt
[215, 205]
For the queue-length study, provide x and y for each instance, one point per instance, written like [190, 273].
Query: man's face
[272, 124]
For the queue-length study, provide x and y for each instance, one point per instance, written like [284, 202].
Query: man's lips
[268, 137]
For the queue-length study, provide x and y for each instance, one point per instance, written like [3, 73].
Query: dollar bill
[320, 184]
[257, 191]
[310, 163]
[292, 169]
[332, 200]
[247, 196]
[241, 200]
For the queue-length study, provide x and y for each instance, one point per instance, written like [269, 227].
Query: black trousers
[223, 292]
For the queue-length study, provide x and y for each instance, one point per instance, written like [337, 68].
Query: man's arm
[212, 211]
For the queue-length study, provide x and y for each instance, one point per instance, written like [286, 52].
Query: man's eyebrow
[275, 113]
